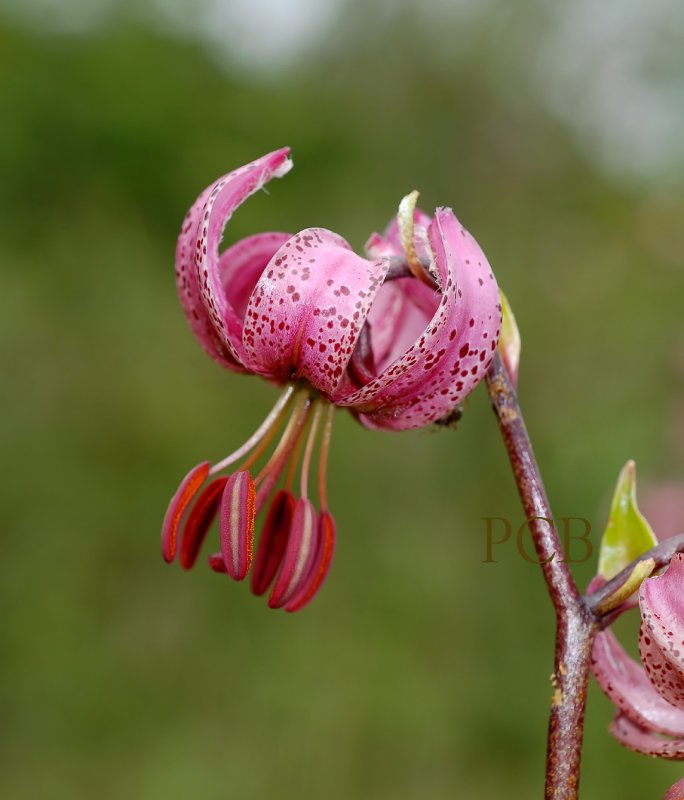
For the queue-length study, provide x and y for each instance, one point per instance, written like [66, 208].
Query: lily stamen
[269, 475]
[265, 431]
[307, 313]
[323, 454]
[308, 451]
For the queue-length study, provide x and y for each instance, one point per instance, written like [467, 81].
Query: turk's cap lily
[399, 337]
[649, 696]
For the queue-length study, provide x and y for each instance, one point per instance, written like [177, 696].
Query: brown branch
[661, 555]
[575, 624]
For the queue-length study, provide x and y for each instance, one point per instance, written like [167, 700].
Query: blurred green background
[556, 132]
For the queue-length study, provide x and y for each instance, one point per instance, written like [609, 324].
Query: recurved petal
[641, 740]
[240, 267]
[454, 351]
[661, 644]
[299, 555]
[199, 521]
[305, 314]
[237, 524]
[189, 292]
[272, 541]
[201, 242]
[401, 312]
[189, 487]
[325, 549]
[626, 684]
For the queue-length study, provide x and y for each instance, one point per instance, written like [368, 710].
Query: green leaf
[627, 534]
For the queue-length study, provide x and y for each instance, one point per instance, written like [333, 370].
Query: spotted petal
[240, 267]
[454, 351]
[626, 684]
[199, 271]
[662, 642]
[641, 740]
[305, 314]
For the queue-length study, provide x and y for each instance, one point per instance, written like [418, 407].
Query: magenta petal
[237, 524]
[189, 290]
[189, 487]
[640, 740]
[240, 267]
[199, 521]
[662, 609]
[400, 313]
[272, 541]
[390, 243]
[306, 312]
[201, 237]
[675, 792]
[454, 351]
[299, 554]
[662, 639]
[626, 684]
[667, 680]
[325, 549]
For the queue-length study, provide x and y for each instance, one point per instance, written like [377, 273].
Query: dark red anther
[325, 550]
[199, 521]
[217, 563]
[272, 541]
[189, 487]
[299, 555]
[237, 523]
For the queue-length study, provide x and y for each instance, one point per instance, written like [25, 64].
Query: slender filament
[293, 428]
[323, 458]
[308, 451]
[268, 426]
[294, 458]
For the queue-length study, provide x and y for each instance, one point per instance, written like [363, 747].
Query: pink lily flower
[399, 338]
[675, 792]
[649, 698]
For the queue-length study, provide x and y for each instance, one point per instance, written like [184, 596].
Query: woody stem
[575, 624]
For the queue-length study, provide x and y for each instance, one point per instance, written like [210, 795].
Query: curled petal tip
[237, 523]
[282, 162]
[188, 488]
[200, 272]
